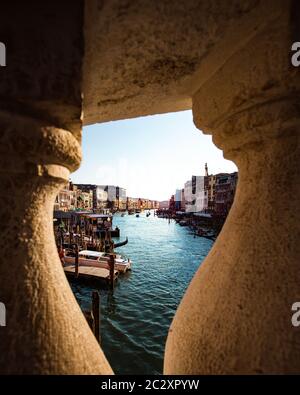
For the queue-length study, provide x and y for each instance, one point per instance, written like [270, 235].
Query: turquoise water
[136, 318]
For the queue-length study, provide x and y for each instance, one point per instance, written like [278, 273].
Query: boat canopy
[91, 253]
[98, 215]
[119, 259]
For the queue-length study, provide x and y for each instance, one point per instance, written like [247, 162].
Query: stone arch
[233, 62]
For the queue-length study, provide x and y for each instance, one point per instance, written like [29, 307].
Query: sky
[149, 156]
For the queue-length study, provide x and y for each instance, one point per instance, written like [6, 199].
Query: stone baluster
[236, 314]
[40, 132]
[46, 331]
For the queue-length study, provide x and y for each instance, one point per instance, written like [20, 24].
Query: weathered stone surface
[46, 331]
[40, 133]
[232, 60]
[144, 57]
[44, 45]
[236, 315]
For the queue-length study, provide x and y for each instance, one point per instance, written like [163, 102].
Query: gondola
[122, 243]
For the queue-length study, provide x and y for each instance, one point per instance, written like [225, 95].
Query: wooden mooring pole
[76, 261]
[112, 270]
[96, 314]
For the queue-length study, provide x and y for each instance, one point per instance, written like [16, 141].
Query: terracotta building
[223, 197]
[220, 191]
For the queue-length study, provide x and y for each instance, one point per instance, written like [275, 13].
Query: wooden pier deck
[90, 273]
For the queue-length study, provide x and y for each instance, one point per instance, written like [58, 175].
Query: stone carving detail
[25, 140]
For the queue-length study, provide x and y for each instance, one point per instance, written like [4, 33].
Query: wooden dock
[90, 273]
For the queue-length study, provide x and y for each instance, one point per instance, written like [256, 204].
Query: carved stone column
[40, 132]
[236, 314]
[46, 331]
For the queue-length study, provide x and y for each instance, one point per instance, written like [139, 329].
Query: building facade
[141, 204]
[164, 205]
[84, 200]
[106, 196]
[86, 188]
[116, 196]
[195, 195]
[66, 200]
[178, 197]
[224, 192]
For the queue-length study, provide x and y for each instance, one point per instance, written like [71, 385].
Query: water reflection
[136, 317]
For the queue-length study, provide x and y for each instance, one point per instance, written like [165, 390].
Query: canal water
[136, 318]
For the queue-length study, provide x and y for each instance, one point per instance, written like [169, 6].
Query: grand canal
[136, 318]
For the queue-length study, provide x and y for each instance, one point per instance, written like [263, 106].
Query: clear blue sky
[149, 156]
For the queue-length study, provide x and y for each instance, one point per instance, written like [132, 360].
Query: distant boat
[183, 223]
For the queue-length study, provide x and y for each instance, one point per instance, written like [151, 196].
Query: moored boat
[98, 259]
[183, 223]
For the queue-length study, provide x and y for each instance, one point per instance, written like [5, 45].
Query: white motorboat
[98, 259]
